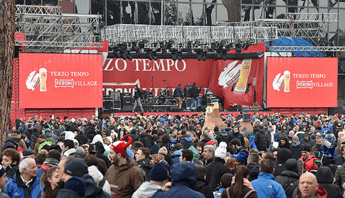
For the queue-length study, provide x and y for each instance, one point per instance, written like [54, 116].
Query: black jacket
[254, 170]
[237, 136]
[92, 190]
[195, 91]
[296, 151]
[324, 177]
[262, 140]
[146, 166]
[186, 142]
[145, 139]
[283, 155]
[82, 139]
[201, 186]
[137, 93]
[286, 179]
[215, 171]
[204, 141]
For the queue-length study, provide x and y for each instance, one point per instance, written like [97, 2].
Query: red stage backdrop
[60, 80]
[302, 82]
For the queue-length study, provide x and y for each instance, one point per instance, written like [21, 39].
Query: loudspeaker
[172, 108]
[108, 105]
[236, 108]
[333, 111]
[117, 104]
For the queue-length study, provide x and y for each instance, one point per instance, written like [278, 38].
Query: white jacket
[97, 176]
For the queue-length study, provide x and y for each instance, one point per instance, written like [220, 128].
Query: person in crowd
[284, 142]
[143, 161]
[307, 162]
[158, 178]
[236, 135]
[217, 168]
[340, 158]
[308, 187]
[137, 96]
[3, 181]
[184, 177]
[289, 178]
[10, 161]
[307, 140]
[265, 186]
[25, 183]
[262, 139]
[296, 147]
[50, 180]
[186, 140]
[186, 155]
[123, 176]
[201, 183]
[208, 154]
[324, 178]
[240, 185]
[96, 172]
[253, 166]
[178, 96]
[75, 187]
[195, 95]
[282, 156]
[67, 148]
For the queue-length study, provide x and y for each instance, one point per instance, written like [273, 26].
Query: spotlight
[199, 56]
[179, 56]
[149, 56]
[154, 56]
[129, 56]
[238, 48]
[204, 56]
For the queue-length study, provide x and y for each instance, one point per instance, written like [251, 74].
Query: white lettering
[176, 65]
[108, 90]
[124, 64]
[146, 62]
[161, 63]
[106, 67]
[170, 63]
[136, 64]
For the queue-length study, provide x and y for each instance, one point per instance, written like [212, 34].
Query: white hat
[221, 150]
[69, 135]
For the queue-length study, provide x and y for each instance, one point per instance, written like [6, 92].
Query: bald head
[308, 184]
[342, 140]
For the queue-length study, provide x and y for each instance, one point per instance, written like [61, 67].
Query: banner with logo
[302, 82]
[60, 80]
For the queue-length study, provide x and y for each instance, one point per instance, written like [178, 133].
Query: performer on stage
[137, 96]
[195, 95]
[178, 95]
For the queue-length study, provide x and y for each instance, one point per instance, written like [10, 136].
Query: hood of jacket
[144, 134]
[8, 145]
[129, 164]
[145, 163]
[227, 129]
[188, 139]
[261, 131]
[15, 137]
[290, 173]
[41, 140]
[283, 155]
[147, 189]
[100, 147]
[95, 174]
[254, 170]
[183, 173]
[321, 192]
[92, 190]
[324, 175]
[67, 193]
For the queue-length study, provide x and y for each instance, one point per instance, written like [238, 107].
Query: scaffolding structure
[47, 29]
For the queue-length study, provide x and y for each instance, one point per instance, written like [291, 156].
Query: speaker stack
[126, 102]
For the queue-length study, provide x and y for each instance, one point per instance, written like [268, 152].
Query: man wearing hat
[158, 177]
[3, 181]
[216, 169]
[123, 176]
[306, 162]
[28, 153]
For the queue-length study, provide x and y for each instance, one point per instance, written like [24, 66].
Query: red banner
[60, 80]
[302, 82]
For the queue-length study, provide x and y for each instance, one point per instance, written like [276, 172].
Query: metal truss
[307, 48]
[47, 29]
[192, 38]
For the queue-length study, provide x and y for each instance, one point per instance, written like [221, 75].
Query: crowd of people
[175, 156]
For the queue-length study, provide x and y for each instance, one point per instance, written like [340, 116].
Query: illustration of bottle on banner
[286, 81]
[241, 85]
[43, 79]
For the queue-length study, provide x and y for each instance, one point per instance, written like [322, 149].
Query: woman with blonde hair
[156, 158]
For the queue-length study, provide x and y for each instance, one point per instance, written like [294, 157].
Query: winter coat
[237, 135]
[262, 140]
[82, 139]
[67, 193]
[277, 136]
[19, 140]
[22, 128]
[145, 139]
[307, 164]
[340, 176]
[286, 179]
[50, 137]
[320, 192]
[146, 190]
[137, 93]
[340, 160]
[4, 195]
[92, 189]
[98, 177]
[11, 171]
[34, 139]
[204, 141]
[282, 155]
[324, 177]
[214, 172]
[146, 166]
[245, 190]
[201, 186]
[124, 180]
[178, 92]
[310, 142]
[186, 142]
[39, 142]
[195, 91]
[184, 180]
[254, 170]
[266, 187]
[15, 188]
[296, 150]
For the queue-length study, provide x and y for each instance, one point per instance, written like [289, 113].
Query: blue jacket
[178, 92]
[277, 136]
[184, 179]
[266, 187]
[15, 189]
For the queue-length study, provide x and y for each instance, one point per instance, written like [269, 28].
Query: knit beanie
[159, 172]
[77, 185]
[77, 167]
[121, 146]
[163, 151]
[221, 150]
[295, 138]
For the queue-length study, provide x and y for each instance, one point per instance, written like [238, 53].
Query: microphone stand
[167, 83]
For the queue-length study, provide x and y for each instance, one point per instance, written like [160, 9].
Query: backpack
[223, 137]
[289, 190]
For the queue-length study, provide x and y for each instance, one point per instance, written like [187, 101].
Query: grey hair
[210, 148]
[24, 164]
[319, 137]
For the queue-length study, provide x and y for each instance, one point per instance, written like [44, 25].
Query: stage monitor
[60, 80]
[298, 82]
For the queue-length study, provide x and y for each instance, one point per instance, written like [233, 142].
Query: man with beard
[123, 176]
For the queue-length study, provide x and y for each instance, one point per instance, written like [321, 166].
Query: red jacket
[320, 192]
[311, 163]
